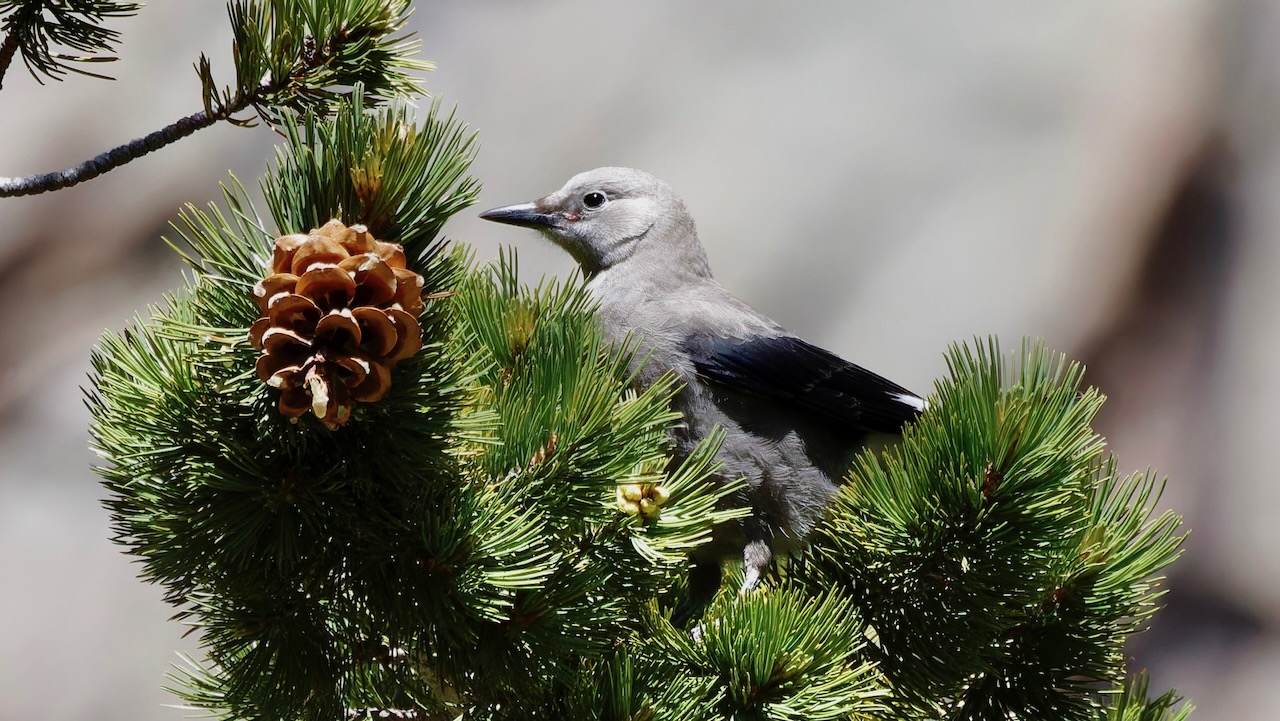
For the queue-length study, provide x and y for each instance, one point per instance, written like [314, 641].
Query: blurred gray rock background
[884, 178]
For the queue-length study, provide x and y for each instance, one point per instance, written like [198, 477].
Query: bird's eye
[593, 200]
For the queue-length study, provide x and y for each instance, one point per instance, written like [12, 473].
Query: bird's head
[608, 215]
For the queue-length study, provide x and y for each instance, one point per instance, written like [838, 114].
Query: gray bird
[793, 413]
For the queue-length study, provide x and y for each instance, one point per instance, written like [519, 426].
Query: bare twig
[132, 150]
[107, 161]
[8, 48]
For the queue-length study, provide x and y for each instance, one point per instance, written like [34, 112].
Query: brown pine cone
[340, 309]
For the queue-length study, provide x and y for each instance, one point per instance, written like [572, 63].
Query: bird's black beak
[525, 215]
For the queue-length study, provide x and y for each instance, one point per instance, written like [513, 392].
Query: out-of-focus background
[883, 178]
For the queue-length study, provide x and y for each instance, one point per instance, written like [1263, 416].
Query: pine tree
[381, 480]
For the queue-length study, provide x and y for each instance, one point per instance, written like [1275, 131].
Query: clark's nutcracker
[793, 413]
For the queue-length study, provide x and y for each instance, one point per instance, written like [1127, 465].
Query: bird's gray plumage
[793, 414]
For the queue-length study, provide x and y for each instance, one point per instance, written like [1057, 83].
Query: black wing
[810, 379]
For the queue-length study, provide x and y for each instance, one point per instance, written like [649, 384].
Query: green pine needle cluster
[304, 55]
[780, 654]
[1133, 704]
[997, 555]
[404, 180]
[40, 28]
[465, 547]
[290, 548]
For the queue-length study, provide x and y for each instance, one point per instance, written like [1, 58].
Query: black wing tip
[794, 371]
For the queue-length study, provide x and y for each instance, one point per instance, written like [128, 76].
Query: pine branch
[996, 552]
[309, 53]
